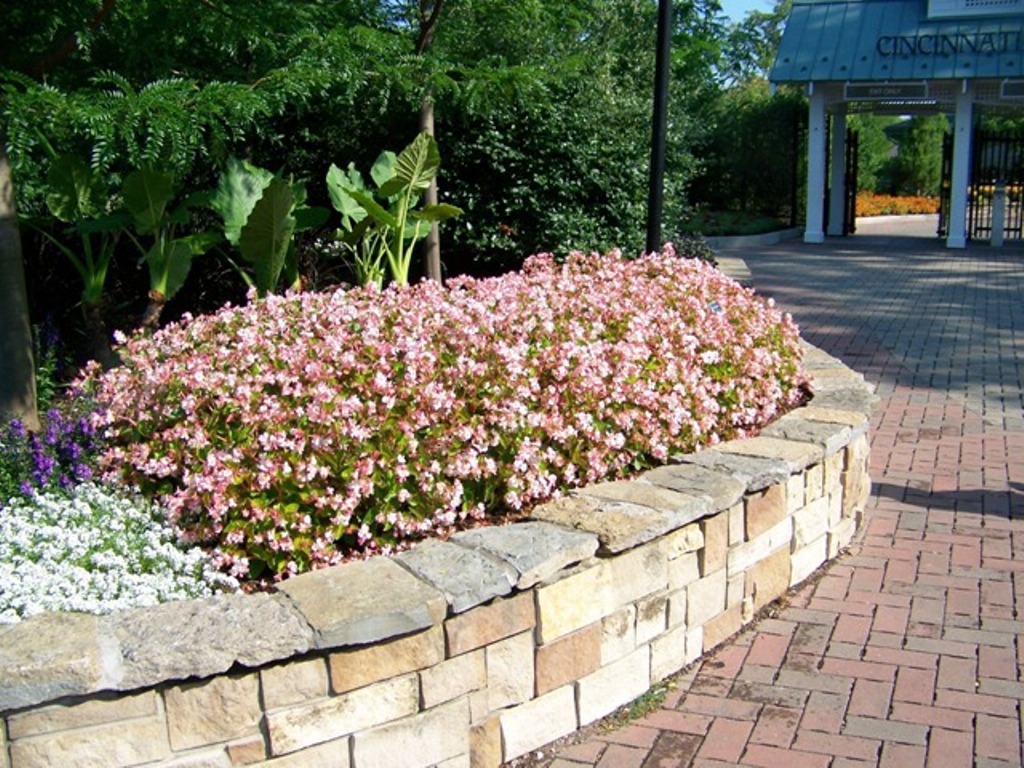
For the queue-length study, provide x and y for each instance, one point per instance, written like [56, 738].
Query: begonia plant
[306, 429]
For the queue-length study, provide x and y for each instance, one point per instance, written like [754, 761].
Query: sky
[737, 9]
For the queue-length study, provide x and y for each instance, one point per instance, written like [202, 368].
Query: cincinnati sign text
[937, 45]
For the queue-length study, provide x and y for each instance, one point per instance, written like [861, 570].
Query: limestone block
[331, 754]
[694, 643]
[840, 536]
[468, 577]
[629, 513]
[202, 638]
[618, 634]
[677, 605]
[833, 471]
[535, 549]
[538, 722]
[716, 543]
[741, 558]
[490, 623]
[668, 653]
[830, 436]
[720, 488]
[735, 589]
[688, 539]
[795, 492]
[737, 524]
[814, 479]
[765, 509]
[651, 617]
[510, 673]
[363, 602]
[4, 762]
[458, 676]
[610, 687]
[591, 592]
[294, 683]
[247, 751]
[131, 742]
[568, 658]
[52, 655]
[856, 489]
[810, 523]
[215, 757]
[351, 669]
[429, 738]
[753, 472]
[683, 570]
[797, 456]
[857, 399]
[216, 710]
[768, 578]
[62, 717]
[303, 726]
[461, 761]
[856, 420]
[706, 598]
[485, 744]
[808, 558]
[835, 509]
[723, 626]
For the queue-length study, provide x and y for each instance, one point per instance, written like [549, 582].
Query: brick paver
[907, 652]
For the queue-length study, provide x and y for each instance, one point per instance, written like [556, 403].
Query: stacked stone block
[463, 653]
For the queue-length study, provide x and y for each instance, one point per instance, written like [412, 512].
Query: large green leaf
[339, 184]
[179, 261]
[415, 168]
[438, 212]
[383, 169]
[240, 187]
[375, 210]
[267, 234]
[76, 191]
[146, 195]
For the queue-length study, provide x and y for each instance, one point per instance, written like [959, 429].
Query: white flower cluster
[98, 550]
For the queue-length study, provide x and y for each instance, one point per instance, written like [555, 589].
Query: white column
[815, 229]
[963, 127]
[837, 188]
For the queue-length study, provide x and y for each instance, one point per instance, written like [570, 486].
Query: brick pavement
[907, 651]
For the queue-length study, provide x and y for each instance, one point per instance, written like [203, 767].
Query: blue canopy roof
[887, 40]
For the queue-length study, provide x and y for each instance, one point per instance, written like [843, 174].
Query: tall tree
[17, 382]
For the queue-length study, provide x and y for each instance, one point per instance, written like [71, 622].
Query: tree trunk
[429, 13]
[17, 374]
[432, 243]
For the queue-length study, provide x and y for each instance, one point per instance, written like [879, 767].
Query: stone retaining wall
[460, 653]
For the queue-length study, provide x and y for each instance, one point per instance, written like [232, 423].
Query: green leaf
[240, 187]
[179, 261]
[383, 169]
[310, 218]
[339, 184]
[76, 191]
[146, 195]
[267, 234]
[438, 212]
[415, 168]
[375, 210]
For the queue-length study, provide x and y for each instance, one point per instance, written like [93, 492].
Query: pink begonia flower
[302, 430]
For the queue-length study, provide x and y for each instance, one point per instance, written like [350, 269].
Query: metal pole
[659, 126]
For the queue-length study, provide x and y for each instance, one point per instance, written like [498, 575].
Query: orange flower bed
[871, 204]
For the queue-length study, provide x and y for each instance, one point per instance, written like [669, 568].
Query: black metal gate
[997, 164]
[850, 190]
[849, 181]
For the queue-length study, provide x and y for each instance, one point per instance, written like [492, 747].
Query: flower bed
[871, 204]
[304, 430]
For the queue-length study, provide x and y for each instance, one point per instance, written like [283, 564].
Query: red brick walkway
[907, 651]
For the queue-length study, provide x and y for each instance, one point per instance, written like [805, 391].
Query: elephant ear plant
[79, 198]
[148, 194]
[262, 213]
[382, 226]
